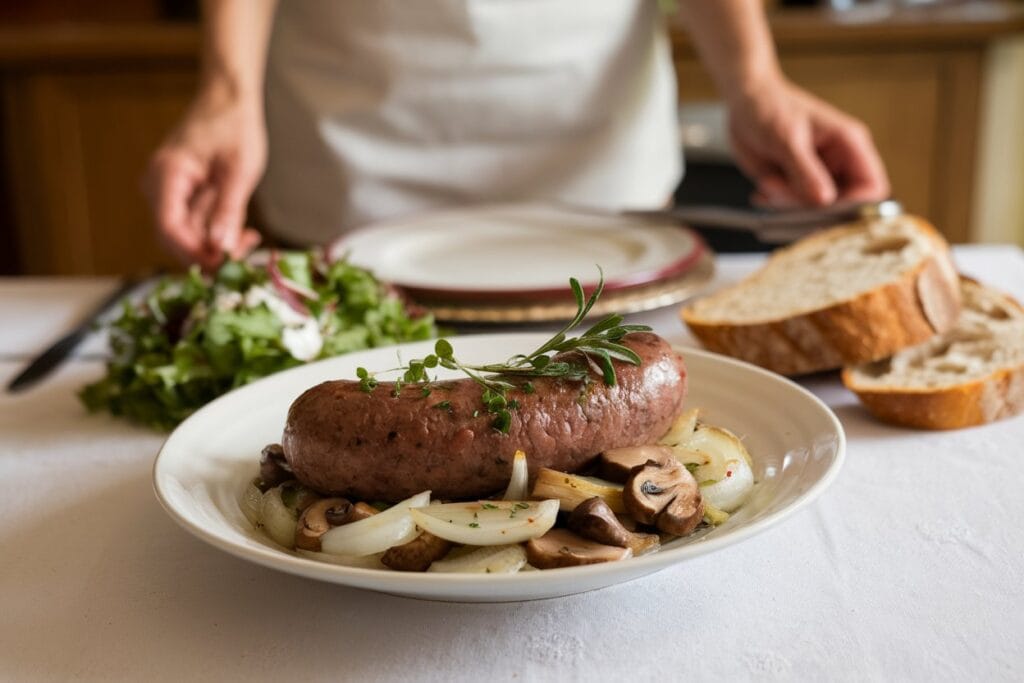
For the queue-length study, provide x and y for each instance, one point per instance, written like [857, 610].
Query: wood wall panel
[79, 142]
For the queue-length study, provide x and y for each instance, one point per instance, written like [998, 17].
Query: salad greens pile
[195, 337]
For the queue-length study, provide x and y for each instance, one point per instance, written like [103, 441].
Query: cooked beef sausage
[342, 440]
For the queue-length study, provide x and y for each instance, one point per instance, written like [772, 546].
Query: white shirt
[378, 108]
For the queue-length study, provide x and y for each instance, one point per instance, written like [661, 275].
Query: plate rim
[434, 294]
[422, 583]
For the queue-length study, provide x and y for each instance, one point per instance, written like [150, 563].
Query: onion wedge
[375, 534]
[726, 478]
[360, 562]
[488, 522]
[572, 489]
[251, 502]
[681, 429]
[496, 559]
[287, 289]
[277, 518]
[519, 481]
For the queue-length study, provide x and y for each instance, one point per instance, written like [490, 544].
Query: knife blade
[47, 361]
[773, 226]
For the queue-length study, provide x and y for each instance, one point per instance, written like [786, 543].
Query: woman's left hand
[798, 150]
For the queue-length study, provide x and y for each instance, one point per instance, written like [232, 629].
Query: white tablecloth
[908, 568]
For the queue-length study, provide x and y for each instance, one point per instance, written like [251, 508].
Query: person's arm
[200, 179]
[796, 148]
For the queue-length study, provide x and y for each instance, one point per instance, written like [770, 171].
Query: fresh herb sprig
[594, 349]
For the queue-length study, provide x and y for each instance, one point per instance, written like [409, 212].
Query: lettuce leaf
[182, 346]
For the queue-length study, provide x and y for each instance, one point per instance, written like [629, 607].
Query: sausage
[344, 441]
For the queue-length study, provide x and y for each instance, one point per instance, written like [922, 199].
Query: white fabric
[378, 108]
[908, 568]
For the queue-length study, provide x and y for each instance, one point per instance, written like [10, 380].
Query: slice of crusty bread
[969, 375]
[842, 296]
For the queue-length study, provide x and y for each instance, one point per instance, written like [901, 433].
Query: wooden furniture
[84, 106]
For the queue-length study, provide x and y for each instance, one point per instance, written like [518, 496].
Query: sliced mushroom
[616, 464]
[562, 548]
[361, 511]
[650, 488]
[418, 554]
[317, 519]
[665, 495]
[340, 514]
[594, 520]
[685, 511]
[642, 544]
[274, 469]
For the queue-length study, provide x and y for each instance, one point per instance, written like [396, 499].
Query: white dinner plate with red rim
[796, 442]
[514, 252]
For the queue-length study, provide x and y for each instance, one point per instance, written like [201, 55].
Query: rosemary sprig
[594, 349]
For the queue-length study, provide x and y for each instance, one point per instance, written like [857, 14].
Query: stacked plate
[512, 263]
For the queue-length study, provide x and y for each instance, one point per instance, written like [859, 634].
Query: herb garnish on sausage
[595, 349]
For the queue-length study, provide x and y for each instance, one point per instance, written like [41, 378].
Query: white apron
[378, 108]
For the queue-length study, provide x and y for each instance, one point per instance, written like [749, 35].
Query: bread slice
[842, 296]
[970, 375]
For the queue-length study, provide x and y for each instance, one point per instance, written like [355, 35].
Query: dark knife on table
[47, 361]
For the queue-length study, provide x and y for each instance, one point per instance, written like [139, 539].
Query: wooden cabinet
[84, 106]
[82, 111]
[79, 143]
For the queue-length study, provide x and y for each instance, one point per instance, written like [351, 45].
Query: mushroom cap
[684, 513]
[274, 469]
[314, 523]
[616, 464]
[666, 495]
[361, 511]
[594, 520]
[651, 487]
[563, 548]
[418, 554]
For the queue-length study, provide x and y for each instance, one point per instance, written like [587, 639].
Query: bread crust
[873, 325]
[972, 403]
[995, 396]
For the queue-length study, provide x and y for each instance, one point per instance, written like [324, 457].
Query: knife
[47, 361]
[773, 226]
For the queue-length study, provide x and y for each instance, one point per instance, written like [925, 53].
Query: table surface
[908, 568]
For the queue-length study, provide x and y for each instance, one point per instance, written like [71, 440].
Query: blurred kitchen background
[89, 87]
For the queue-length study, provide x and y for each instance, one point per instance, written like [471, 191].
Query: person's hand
[200, 180]
[798, 150]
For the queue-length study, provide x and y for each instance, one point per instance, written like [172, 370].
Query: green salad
[194, 337]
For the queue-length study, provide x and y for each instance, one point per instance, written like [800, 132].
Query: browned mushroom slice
[274, 469]
[650, 488]
[616, 464]
[361, 511]
[594, 520]
[562, 548]
[317, 519]
[666, 495]
[641, 544]
[684, 513]
[416, 555]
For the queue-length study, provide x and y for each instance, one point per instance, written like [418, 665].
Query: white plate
[795, 440]
[518, 250]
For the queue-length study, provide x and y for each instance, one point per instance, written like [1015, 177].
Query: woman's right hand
[200, 179]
